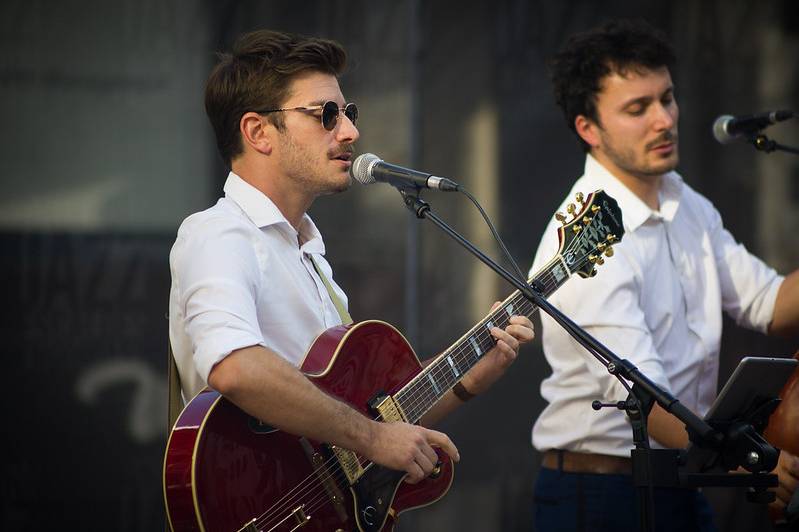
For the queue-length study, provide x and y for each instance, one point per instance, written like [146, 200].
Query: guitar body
[223, 469]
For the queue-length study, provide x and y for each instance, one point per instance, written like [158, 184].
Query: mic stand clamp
[762, 143]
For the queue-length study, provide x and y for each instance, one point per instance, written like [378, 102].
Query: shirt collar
[634, 210]
[263, 212]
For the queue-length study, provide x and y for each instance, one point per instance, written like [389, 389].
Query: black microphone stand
[651, 467]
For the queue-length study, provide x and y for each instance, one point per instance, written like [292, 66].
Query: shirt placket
[694, 308]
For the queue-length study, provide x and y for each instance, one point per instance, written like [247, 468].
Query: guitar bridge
[298, 514]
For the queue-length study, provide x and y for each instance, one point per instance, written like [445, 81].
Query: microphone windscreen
[362, 166]
[720, 129]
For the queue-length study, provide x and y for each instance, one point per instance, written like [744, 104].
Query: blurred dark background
[104, 149]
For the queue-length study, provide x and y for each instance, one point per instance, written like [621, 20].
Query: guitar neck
[418, 396]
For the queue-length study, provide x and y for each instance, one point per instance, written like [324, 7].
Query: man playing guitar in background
[658, 303]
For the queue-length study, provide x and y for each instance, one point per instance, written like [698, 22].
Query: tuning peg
[580, 198]
[601, 247]
[587, 220]
[609, 251]
[577, 228]
[571, 208]
[600, 261]
[595, 208]
[559, 216]
[611, 238]
[592, 259]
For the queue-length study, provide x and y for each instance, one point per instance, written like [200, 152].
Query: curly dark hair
[616, 46]
[257, 75]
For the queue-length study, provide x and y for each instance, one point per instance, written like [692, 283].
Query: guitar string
[315, 501]
[547, 281]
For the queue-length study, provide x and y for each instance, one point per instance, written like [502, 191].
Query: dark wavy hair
[616, 46]
[257, 75]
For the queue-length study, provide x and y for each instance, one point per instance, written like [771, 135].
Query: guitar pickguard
[373, 493]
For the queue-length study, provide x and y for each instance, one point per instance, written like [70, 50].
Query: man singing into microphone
[251, 289]
[657, 303]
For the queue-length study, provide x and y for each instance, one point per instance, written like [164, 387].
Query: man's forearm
[786, 309]
[266, 386]
[666, 429]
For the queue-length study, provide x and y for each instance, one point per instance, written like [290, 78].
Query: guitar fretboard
[430, 385]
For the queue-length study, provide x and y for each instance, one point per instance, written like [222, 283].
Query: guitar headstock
[595, 226]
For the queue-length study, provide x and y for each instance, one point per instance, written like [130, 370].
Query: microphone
[727, 128]
[369, 168]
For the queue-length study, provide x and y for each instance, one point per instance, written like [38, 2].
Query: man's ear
[587, 129]
[256, 132]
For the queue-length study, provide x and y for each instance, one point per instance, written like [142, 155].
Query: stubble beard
[303, 168]
[626, 160]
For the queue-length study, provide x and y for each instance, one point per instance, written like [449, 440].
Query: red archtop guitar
[226, 471]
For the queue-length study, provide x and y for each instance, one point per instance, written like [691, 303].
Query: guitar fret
[558, 272]
[475, 346]
[455, 371]
[447, 380]
[433, 383]
[415, 409]
[463, 364]
[501, 320]
[487, 341]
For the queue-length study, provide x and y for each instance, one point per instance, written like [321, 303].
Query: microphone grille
[361, 169]
[720, 129]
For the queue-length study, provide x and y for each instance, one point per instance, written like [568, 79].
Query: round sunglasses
[330, 111]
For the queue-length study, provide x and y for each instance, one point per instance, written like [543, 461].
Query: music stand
[750, 395]
[740, 413]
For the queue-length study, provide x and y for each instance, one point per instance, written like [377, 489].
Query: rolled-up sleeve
[218, 275]
[748, 285]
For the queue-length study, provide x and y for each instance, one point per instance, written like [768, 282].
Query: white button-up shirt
[656, 302]
[241, 278]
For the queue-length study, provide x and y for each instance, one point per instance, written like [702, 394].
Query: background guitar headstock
[595, 225]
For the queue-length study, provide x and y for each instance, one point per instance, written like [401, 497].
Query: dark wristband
[462, 393]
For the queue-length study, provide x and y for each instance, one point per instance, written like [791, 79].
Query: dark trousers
[577, 502]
